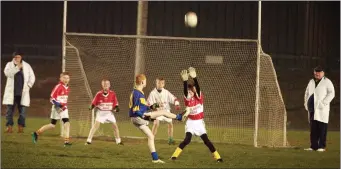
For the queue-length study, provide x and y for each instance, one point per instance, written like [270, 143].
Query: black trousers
[318, 134]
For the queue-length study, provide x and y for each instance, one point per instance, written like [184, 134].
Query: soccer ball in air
[191, 19]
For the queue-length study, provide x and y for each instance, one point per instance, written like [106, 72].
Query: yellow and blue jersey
[137, 104]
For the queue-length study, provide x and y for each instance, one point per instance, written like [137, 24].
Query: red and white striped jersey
[196, 105]
[105, 102]
[60, 94]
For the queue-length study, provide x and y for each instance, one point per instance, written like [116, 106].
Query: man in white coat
[318, 95]
[20, 79]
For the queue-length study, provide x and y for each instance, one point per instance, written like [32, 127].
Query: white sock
[92, 132]
[66, 129]
[118, 140]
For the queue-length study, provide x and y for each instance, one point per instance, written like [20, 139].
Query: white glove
[192, 72]
[184, 75]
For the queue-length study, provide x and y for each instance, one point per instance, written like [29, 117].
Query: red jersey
[197, 106]
[105, 102]
[60, 94]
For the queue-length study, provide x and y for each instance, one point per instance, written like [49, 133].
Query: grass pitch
[18, 151]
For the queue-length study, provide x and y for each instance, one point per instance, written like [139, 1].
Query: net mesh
[226, 72]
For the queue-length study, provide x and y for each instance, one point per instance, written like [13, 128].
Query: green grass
[18, 151]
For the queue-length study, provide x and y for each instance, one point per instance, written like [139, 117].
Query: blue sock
[178, 117]
[155, 156]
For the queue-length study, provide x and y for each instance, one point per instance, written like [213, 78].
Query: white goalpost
[63, 55]
[257, 74]
[253, 113]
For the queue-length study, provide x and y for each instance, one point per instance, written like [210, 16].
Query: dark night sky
[283, 23]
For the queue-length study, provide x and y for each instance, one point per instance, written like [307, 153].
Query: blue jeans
[10, 112]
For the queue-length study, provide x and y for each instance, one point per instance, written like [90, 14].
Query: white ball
[191, 19]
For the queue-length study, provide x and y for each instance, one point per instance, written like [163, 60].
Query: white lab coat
[323, 95]
[29, 79]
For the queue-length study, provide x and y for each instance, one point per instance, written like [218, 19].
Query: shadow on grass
[77, 156]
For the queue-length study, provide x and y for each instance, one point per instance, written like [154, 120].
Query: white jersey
[164, 98]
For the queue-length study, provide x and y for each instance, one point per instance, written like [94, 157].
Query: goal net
[226, 71]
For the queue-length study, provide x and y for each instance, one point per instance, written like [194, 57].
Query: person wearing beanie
[20, 79]
[318, 95]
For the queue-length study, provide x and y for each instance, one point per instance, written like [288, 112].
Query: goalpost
[63, 54]
[259, 37]
[243, 101]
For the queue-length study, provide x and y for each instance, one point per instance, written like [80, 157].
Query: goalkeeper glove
[116, 109]
[154, 106]
[192, 72]
[184, 75]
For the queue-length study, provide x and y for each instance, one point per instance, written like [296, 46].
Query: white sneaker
[321, 150]
[158, 161]
[308, 149]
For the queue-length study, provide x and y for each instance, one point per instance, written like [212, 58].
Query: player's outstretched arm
[184, 76]
[173, 100]
[196, 84]
[193, 74]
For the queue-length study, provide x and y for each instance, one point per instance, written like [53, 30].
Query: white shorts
[62, 115]
[105, 117]
[138, 121]
[195, 127]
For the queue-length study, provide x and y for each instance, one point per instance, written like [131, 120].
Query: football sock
[177, 152]
[216, 155]
[155, 156]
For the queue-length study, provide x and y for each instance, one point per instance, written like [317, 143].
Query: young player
[59, 109]
[139, 115]
[195, 124]
[163, 97]
[106, 102]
